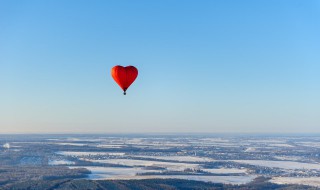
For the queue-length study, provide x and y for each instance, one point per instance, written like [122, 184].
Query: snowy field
[172, 166]
[281, 145]
[110, 146]
[226, 171]
[101, 173]
[310, 144]
[290, 158]
[290, 165]
[60, 162]
[81, 154]
[71, 144]
[113, 172]
[312, 181]
[178, 158]
[235, 180]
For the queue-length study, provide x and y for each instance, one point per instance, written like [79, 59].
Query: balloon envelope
[124, 76]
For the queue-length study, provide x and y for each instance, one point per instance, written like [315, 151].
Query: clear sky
[204, 66]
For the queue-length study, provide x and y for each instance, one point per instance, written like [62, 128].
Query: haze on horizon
[204, 66]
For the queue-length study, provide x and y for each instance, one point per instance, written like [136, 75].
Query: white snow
[281, 145]
[101, 173]
[312, 181]
[129, 162]
[110, 146]
[53, 139]
[71, 144]
[215, 140]
[266, 141]
[250, 149]
[229, 145]
[112, 172]
[310, 144]
[85, 139]
[280, 164]
[60, 162]
[6, 145]
[179, 158]
[291, 158]
[213, 179]
[226, 171]
[70, 153]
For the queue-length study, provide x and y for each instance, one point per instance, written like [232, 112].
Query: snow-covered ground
[250, 149]
[159, 145]
[214, 179]
[179, 158]
[281, 145]
[266, 141]
[194, 154]
[70, 153]
[60, 162]
[226, 171]
[6, 145]
[100, 173]
[310, 144]
[235, 180]
[85, 139]
[172, 166]
[312, 181]
[291, 158]
[228, 145]
[215, 140]
[290, 165]
[110, 146]
[71, 144]
[112, 172]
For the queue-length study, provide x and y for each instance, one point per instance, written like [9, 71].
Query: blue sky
[204, 66]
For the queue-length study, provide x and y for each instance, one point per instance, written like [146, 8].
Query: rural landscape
[122, 161]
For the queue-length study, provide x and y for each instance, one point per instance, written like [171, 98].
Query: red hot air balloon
[124, 76]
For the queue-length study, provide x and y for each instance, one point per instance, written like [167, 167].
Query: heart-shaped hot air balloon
[124, 76]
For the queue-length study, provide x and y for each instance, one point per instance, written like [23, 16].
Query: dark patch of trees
[148, 184]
